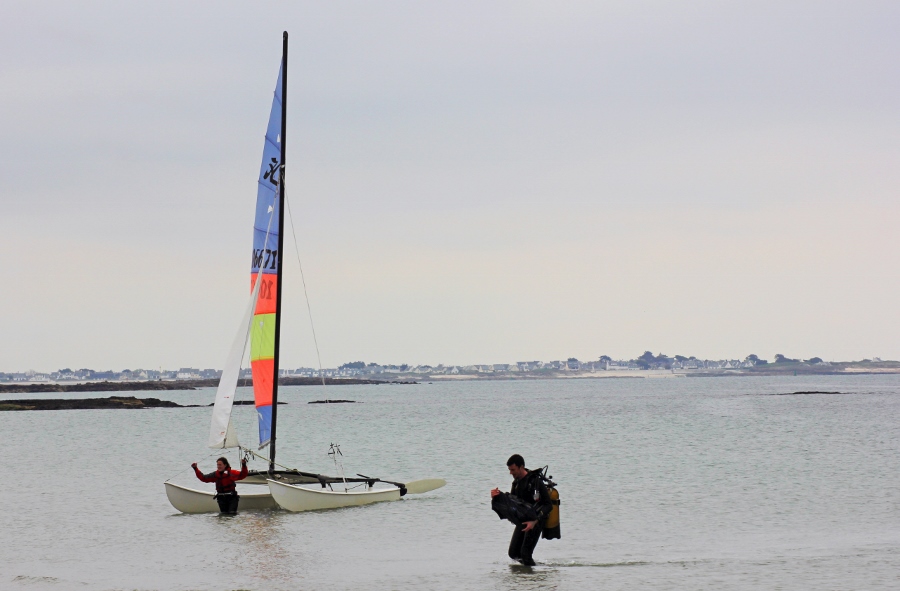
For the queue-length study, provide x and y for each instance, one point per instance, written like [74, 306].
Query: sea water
[714, 483]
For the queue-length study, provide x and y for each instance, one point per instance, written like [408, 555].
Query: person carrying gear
[526, 505]
[225, 479]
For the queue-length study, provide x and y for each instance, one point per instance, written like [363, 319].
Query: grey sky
[471, 182]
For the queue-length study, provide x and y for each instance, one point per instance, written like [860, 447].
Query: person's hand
[243, 461]
[194, 465]
[529, 525]
[495, 492]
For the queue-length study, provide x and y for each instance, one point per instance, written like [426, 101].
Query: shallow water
[665, 484]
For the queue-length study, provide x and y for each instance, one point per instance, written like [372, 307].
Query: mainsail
[265, 260]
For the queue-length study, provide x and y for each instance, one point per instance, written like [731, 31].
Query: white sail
[221, 431]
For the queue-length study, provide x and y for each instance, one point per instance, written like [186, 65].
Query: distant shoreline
[767, 370]
[651, 374]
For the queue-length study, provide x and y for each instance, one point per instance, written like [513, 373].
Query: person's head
[516, 465]
[222, 464]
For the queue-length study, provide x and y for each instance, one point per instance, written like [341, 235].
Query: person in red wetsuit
[225, 479]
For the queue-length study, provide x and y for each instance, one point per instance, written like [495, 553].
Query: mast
[284, 74]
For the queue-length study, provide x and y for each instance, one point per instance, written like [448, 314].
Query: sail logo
[270, 174]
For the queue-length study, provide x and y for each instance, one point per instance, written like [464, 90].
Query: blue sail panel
[264, 413]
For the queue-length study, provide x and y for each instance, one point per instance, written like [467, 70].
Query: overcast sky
[472, 182]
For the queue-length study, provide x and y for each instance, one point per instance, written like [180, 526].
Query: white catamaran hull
[298, 498]
[189, 500]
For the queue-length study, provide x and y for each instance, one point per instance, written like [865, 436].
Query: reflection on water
[265, 553]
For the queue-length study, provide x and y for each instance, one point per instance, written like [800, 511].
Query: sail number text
[264, 258]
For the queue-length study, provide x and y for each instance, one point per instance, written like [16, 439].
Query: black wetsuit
[530, 489]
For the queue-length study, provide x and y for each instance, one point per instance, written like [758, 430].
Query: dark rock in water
[801, 393]
[102, 387]
[18, 388]
[296, 381]
[332, 402]
[242, 403]
[91, 403]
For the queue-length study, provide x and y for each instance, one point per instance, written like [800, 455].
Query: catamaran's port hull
[298, 498]
[189, 500]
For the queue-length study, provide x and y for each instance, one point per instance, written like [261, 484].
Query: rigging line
[265, 459]
[191, 467]
[306, 295]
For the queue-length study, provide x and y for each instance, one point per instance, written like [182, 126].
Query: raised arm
[242, 474]
[200, 475]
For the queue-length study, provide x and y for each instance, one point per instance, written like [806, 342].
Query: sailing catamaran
[290, 489]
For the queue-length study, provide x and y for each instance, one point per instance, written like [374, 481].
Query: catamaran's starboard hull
[189, 500]
[298, 498]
